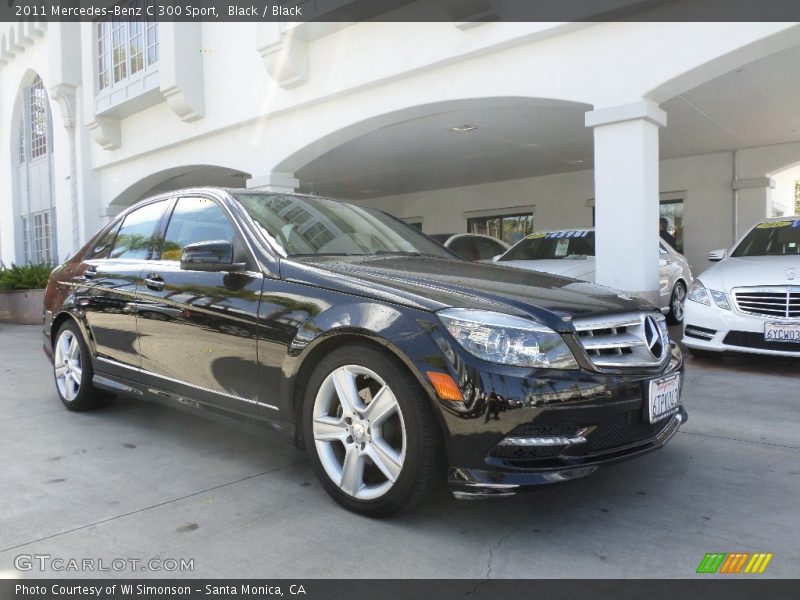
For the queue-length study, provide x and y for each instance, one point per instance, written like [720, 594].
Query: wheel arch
[327, 343]
[61, 318]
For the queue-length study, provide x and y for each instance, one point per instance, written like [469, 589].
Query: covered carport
[580, 140]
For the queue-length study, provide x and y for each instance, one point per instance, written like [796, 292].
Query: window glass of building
[672, 211]
[510, 228]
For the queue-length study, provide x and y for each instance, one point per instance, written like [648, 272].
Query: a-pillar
[627, 196]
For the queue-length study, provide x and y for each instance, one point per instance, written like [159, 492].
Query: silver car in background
[570, 252]
[473, 247]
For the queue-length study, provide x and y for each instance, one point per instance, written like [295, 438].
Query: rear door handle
[90, 272]
[154, 282]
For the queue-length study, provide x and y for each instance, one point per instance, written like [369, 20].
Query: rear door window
[464, 247]
[102, 248]
[137, 235]
[488, 249]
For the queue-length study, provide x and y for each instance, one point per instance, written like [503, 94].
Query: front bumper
[713, 329]
[609, 411]
[476, 483]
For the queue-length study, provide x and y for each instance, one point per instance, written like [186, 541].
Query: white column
[274, 182]
[755, 201]
[626, 196]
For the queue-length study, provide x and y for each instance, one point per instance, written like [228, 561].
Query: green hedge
[25, 277]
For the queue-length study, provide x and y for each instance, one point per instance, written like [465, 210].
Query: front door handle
[90, 272]
[154, 282]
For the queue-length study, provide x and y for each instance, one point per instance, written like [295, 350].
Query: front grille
[625, 340]
[624, 429]
[779, 302]
[526, 452]
[748, 339]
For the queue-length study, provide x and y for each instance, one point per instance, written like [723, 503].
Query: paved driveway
[144, 480]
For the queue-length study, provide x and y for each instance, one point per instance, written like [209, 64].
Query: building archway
[445, 144]
[176, 178]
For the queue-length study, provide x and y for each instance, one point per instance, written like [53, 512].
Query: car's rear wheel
[72, 369]
[369, 432]
[676, 303]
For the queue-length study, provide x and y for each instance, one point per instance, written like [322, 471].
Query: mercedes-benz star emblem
[652, 337]
[790, 274]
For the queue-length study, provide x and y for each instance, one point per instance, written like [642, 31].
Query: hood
[579, 268]
[436, 283]
[751, 271]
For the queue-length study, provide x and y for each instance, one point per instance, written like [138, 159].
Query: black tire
[705, 354]
[83, 396]
[678, 292]
[421, 467]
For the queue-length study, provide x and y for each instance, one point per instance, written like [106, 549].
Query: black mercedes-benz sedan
[394, 363]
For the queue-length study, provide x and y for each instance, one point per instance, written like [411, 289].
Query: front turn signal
[445, 387]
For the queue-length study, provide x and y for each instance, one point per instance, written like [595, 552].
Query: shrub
[25, 277]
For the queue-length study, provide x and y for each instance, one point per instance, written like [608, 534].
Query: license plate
[664, 395]
[782, 332]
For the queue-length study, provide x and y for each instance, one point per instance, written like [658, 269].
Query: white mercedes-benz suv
[750, 300]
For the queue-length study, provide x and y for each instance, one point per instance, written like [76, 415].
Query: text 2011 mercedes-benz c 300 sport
[396, 364]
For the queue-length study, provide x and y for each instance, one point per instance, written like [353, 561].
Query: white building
[501, 125]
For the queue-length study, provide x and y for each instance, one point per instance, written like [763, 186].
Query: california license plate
[782, 332]
[663, 397]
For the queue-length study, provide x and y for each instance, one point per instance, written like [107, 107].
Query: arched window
[34, 175]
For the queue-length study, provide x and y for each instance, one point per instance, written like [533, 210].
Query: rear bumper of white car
[714, 329]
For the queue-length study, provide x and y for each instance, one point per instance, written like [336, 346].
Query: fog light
[543, 441]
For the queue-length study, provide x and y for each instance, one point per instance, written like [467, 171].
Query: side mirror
[717, 255]
[215, 255]
[496, 258]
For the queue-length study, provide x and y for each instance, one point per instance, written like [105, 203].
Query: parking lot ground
[148, 480]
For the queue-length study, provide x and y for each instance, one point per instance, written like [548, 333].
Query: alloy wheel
[68, 365]
[359, 432]
[678, 298]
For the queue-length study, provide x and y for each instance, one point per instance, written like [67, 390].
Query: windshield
[773, 238]
[553, 245]
[305, 226]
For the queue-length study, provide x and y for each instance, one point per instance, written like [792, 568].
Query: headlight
[699, 293]
[507, 340]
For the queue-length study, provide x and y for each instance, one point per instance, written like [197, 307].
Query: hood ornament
[790, 274]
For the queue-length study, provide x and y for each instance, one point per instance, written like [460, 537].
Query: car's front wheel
[676, 303]
[369, 432]
[72, 368]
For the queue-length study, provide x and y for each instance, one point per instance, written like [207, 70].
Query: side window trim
[161, 232]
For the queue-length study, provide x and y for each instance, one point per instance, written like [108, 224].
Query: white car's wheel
[676, 302]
